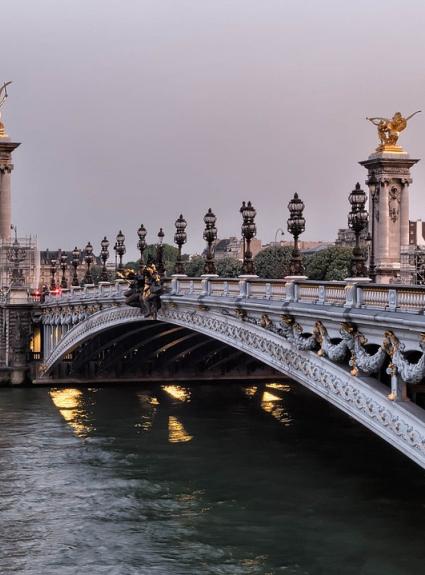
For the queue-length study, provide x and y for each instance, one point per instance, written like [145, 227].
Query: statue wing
[3, 92]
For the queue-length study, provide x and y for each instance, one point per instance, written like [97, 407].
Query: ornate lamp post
[296, 226]
[63, 261]
[141, 244]
[160, 253]
[210, 235]
[53, 267]
[119, 248]
[75, 261]
[180, 238]
[358, 221]
[373, 190]
[248, 232]
[104, 255]
[88, 258]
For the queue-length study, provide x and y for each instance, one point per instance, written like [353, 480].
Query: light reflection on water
[177, 392]
[68, 401]
[176, 431]
[194, 480]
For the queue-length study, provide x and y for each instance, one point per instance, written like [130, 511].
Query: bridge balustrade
[388, 297]
[370, 296]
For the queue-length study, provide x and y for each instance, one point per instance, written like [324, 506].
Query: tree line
[332, 263]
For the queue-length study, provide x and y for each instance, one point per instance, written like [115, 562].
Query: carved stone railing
[77, 295]
[341, 294]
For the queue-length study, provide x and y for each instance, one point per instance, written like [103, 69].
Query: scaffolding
[19, 262]
[412, 265]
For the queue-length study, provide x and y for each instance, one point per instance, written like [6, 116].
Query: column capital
[6, 168]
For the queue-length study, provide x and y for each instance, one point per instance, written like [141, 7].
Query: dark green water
[223, 480]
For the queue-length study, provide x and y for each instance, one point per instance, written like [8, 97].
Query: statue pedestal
[389, 210]
[6, 167]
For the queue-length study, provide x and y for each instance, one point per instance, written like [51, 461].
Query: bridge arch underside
[156, 350]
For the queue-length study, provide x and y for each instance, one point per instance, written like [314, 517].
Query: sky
[134, 111]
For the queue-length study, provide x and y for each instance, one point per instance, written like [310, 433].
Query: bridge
[358, 345]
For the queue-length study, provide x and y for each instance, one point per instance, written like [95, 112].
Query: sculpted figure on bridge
[294, 333]
[410, 372]
[335, 350]
[144, 290]
[360, 358]
[389, 130]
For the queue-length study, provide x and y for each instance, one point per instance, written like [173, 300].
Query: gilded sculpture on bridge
[3, 96]
[389, 131]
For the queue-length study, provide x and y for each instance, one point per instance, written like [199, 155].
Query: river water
[201, 479]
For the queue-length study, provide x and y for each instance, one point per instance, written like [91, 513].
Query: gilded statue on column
[389, 131]
[3, 96]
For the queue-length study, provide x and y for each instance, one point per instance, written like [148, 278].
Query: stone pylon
[389, 210]
[6, 167]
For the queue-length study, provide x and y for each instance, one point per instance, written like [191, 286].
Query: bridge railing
[345, 294]
[322, 293]
[77, 294]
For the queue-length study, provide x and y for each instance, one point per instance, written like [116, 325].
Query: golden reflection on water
[279, 386]
[269, 402]
[69, 403]
[176, 431]
[250, 391]
[177, 392]
[149, 404]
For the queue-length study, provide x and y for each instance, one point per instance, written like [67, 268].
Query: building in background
[417, 233]
[46, 257]
[233, 248]
[347, 239]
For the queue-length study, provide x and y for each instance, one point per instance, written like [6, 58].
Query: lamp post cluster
[53, 268]
[249, 230]
[63, 262]
[120, 250]
[88, 258]
[296, 226]
[141, 244]
[160, 266]
[104, 255]
[358, 220]
[373, 190]
[180, 238]
[210, 236]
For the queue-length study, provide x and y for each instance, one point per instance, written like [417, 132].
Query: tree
[229, 267]
[169, 253]
[195, 267]
[333, 263]
[273, 262]
[96, 271]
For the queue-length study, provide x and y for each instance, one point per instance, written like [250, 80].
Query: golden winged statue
[389, 130]
[3, 96]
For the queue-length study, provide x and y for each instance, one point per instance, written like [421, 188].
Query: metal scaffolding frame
[19, 262]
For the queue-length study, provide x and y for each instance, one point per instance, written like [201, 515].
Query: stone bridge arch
[363, 398]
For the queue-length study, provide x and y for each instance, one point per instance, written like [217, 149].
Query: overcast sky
[132, 111]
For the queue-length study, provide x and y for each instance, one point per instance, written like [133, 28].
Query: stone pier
[6, 167]
[390, 210]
